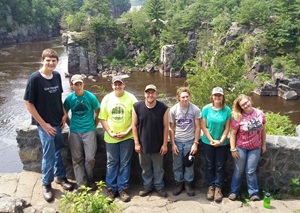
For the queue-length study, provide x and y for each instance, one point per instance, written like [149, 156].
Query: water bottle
[267, 200]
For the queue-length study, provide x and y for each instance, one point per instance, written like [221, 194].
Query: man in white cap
[150, 130]
[85, 108]
[115, 117]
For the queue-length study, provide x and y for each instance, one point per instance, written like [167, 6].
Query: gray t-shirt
[184, 120]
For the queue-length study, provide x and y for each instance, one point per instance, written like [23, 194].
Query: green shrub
[85, 201]
[279, 124]
[295, 187]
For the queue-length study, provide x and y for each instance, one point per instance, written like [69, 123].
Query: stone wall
[27, 33]
[276, 167]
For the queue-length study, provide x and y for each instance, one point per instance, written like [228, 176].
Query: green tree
[120, 51]
[226, 69]
[96, 7]
[254, 12]
[118, 7]
[284, 29]
[156, 10]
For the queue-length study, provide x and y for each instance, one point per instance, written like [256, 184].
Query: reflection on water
[278, 105]
[19, 61]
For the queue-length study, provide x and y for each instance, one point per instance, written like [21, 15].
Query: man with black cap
[116, 116]
[150, 130]
[184, 134]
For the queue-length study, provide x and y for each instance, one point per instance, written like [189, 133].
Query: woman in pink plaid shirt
[247, 143]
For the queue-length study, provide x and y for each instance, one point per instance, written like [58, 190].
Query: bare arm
[233, 149]
[35, 114]
[97, 117]
[194, 148]
[134, 123]
[264, 139]
[225, 132]
[164, 147]
[107, 129]
[172, 138]
[206, 132]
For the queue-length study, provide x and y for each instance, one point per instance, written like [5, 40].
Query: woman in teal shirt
[215, 126]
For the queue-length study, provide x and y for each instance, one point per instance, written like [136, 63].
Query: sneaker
[65, 184]
[111, 193]
[218, 195]
[145, 192]
[92, 185]
[178, 188]
[254, 198]
[162, 193]
[210, 193]
[232, 197]
[47, 192]
[124, 196]
[188, 188]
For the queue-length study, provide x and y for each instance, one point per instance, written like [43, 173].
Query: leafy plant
[295, 187]
[84, 201]
[279, 124]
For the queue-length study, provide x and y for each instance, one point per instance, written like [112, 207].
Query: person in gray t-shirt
[184, 119]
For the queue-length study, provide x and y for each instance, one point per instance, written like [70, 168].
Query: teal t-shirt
[83, 110]
[215, 122]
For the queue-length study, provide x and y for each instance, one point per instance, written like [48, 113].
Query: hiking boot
[254, 198]
[232, 197]
[210, 193]
[188, 188]
[178, 188]
[47, 192]
[162, 193]
[124, 196]
[92, 185]
[145, 192]
[218, 195]
[111, 193]
[65, 184]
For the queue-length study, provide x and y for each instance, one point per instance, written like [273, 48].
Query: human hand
[194, 149]
[138, 148]
[175, 149]
[235, 154]
[163, 149]
[49, 129]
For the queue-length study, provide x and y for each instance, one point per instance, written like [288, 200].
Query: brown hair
[49, 53]
[236, 108]
[181, 90]
[212, 101]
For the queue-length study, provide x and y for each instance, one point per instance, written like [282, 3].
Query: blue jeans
[118, 164]
[52, 163]
[153, 171]
[248, 160]
[182, 173]
[215, 158]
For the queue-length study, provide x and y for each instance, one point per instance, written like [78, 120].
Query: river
[17, 62]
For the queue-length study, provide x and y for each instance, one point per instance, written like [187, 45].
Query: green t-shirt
[117, 111]
[83, 111]
[215, 122]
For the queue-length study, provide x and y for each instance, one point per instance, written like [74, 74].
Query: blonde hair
[236, 108]
[181, 90]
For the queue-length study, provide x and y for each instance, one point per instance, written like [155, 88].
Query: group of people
[145, 127]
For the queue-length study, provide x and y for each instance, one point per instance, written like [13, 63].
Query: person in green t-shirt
[82, 139]
[215, 126]
[116, 116]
